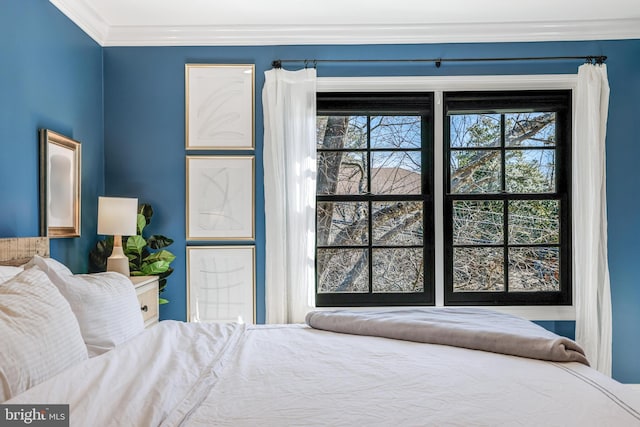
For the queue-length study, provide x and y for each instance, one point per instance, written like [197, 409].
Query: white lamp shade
[117, 216]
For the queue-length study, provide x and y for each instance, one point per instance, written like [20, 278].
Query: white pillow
[40, 334]
[48, 265]
[8, 272]
[105, 305]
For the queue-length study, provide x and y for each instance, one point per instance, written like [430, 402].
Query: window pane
[342, 270]
[478, 222]
[475, 171]
[342, 172]
[394, 172]
[395, 132]
[505, 231]
[534, 221]
[534, 269]
[478, 269]
[398, 270]
[335, 132]
[342, 223]
[397, 223]
[530, 171]
[475, 130]
[530, 129]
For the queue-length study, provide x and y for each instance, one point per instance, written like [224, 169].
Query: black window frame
[499, 102]
[386, 103]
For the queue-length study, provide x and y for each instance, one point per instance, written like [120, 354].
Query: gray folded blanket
[477, 329]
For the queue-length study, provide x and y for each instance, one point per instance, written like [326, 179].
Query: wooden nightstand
[147, 291]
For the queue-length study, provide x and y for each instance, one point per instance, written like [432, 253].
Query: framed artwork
[220, 197]
[60, 174]
[221, 284]
[219, 106]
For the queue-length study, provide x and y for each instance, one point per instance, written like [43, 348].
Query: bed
[338, 369]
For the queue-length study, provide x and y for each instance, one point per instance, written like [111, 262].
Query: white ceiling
[270, 22]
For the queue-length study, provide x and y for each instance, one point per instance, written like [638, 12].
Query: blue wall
[50, 77]
[145, 155]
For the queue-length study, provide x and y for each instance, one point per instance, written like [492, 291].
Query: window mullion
[439, 174]
[505, 245]
[505, 204]
[369, 207]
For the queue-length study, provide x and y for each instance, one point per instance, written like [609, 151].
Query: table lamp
[117, 216]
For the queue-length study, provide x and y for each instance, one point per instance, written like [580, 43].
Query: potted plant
[147, 256]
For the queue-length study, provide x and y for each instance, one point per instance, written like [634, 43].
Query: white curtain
[289, 102]
[591, 269]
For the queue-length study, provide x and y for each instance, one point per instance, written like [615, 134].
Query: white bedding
[235, 375]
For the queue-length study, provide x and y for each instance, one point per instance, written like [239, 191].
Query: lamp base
[118, 261]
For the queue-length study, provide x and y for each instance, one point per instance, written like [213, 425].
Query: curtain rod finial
[276, 64]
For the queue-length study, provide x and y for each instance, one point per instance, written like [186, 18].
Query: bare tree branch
[361, 264]
[464, 176]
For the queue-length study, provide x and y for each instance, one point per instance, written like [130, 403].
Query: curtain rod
[596, 59]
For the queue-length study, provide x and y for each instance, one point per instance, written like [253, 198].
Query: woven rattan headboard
[19, 250]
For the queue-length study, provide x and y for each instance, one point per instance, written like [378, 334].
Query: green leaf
[142, 223]
[162, 255]
[162, 301]
[99, 254]
[134, 245]
[154, 268]
[146, 211]
[165, 274]
[159, 242]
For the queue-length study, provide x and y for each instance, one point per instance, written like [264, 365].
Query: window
[374, 217]
[506, 203]
[503, 193]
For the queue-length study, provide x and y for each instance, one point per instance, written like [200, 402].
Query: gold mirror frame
[60, 175]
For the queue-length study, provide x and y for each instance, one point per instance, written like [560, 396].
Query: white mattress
[236, 375]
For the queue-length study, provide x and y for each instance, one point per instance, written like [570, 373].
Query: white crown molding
[84, 17]
[261, 35]
[371, 34]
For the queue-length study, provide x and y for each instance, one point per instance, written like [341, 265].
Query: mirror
[60, 167]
